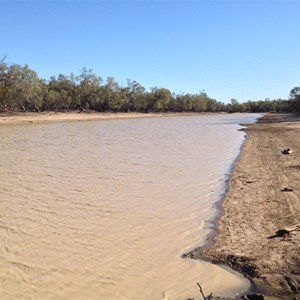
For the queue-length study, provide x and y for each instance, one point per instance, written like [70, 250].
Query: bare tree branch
[201, 291]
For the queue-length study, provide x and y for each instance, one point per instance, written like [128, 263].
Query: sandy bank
[259, 231]
[28, 117]
[42, 117]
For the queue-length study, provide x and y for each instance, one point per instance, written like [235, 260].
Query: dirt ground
[259, 231]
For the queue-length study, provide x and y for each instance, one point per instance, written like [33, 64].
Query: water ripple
[104, 209]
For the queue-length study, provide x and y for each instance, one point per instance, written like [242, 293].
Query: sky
[246, 50]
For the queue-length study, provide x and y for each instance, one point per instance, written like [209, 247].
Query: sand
[259, 230]
[69, 116]
[41, 117]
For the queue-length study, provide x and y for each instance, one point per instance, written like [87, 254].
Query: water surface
[104, 209]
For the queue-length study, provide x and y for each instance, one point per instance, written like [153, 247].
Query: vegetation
[21, 89]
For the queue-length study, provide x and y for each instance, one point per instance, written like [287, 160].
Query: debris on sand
[286, 151]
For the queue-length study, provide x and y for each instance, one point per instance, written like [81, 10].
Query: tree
[295, 98]
[135, 94]
[200, 102]
[159, 99]
[20, 87]
[28, 89]
[234, 106]
[185, 102]
[88, 89]
[110, 96]
[8, 77]
[61, 94]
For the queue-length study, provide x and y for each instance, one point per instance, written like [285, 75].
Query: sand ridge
[259, 231]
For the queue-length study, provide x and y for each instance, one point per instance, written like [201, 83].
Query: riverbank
[43, 117]
[259, 230]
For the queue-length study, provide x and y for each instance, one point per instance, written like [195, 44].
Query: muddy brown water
[105, 209]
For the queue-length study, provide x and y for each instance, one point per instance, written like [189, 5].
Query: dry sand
[259, 231]
[41, 117]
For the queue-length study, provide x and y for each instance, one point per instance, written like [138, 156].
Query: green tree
[135, 94]
[8, 78]
[28, 89]
[234, 106]
[159, 99]
[88, 89]
[185, 102]
[295, 98]
[61, 94]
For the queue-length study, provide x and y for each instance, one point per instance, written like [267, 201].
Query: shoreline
[261, 198]
[70, 116]
[257, 230]
[9, 118]
[214, 228]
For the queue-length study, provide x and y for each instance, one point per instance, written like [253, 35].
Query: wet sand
[259, 230]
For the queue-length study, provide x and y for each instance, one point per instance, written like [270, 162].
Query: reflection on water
[104, 209]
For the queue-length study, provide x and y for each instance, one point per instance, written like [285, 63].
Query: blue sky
[231, 49]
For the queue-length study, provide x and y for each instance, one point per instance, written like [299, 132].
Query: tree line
[21, 89]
